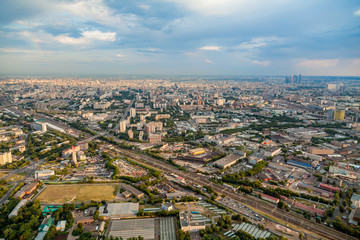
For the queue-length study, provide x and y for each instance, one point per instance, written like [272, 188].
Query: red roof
[269, 197]
[309, 209]
[330, 188]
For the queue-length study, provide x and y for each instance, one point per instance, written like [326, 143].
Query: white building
[132, 112]
[44, 174]
[5, 158]
[122, 126]
[60, 226]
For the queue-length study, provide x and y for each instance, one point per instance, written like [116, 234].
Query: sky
[186, 37]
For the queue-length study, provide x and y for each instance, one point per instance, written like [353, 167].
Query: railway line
[265, 207]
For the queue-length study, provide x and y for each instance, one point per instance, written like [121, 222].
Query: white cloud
[209, 61]
[318, 63]
[264, 63]
[144, 6]
[97, 11]
[151, 50]
[212, 7]
[120, 55]
[229, 7]
[258, 42]
[357, 13]
[210, 48]
[87, 37]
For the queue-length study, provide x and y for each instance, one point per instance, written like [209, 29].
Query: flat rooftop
[117, 210]
[128, 228]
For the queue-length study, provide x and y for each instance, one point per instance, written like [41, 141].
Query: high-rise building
[123, 126]
[5, 158]
[339, 115]
[43, 127]
[74, 159]
[131, 134]
[330, 114]
[132, 112]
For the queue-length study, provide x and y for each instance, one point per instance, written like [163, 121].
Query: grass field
[4, 173]
[16, 177]
[77, 193]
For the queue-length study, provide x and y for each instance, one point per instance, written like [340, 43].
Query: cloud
[120, 55]
[318, 63]
[97, 11]
[210, 48]
[144, 6]
[257, 43]
[87, 37]
[151, 50]
[264, 63]
[209, 61]
[357, 13]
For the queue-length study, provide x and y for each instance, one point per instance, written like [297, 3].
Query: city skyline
[180, 37]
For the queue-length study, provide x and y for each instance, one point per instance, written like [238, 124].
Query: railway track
[265, 207]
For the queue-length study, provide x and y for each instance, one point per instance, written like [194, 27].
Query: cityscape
[156, 120]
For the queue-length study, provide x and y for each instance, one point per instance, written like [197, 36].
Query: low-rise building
[196, 151]
[228, 161]
[270, 198]
[60, 226]
[44, 174]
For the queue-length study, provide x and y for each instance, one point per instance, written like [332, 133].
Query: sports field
[77, 193]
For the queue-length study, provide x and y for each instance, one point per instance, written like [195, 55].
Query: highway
[255, 203]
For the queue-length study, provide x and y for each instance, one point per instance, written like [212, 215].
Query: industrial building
[27, 191]
[196, 151]
[128, 228]
[119, 210]
[228, 161]
[270, 198]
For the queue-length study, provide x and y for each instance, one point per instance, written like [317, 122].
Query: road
[30, 168]
[124, 115]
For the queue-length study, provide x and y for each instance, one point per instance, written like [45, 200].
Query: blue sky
[230, 37]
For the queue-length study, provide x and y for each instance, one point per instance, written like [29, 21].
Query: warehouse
[128, 228]
[227, 161]
[119, 210]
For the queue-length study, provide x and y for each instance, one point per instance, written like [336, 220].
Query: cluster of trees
[162, 213]
[345, 228]
[25, 223]
[204, 233]
[181, 235]
[3, 190]
[16, 164]
[234, 177]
